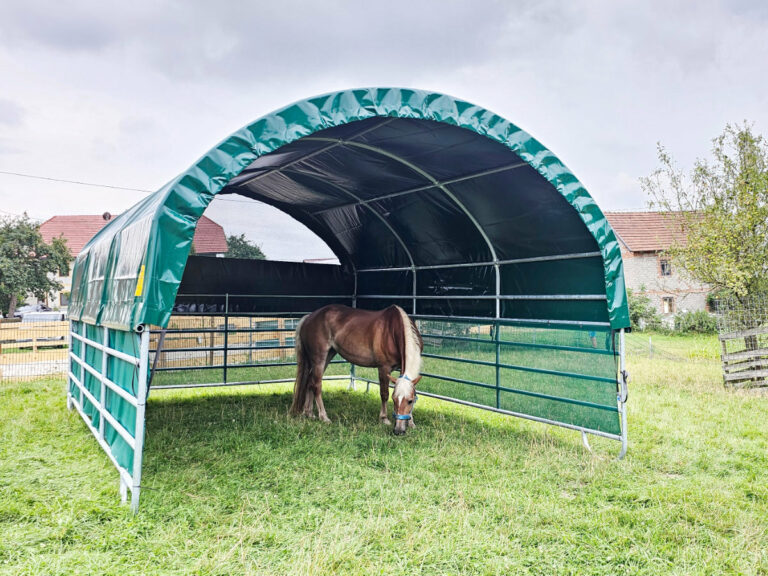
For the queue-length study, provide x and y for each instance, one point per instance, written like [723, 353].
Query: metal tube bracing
[376, 213]
[246, 179]
[235, 366]
[518, 344]
[487, 297]
[516, 414]
[141, 397]
[106, 381]
[243, 383]
[111, 351]
[124, 474]
[310, 296]
[553, 257]
[352, 383]
[520, 368]
[104, 415]
[510, 321]
[436, 183]
[102, 386]
[425, 187]
[523, 392]
[621, 396]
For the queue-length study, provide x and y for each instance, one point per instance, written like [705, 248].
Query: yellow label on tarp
[140, 283]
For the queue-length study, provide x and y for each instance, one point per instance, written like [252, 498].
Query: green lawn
[235, 486]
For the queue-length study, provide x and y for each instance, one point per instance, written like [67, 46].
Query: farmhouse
[643, 237]
[77, 230]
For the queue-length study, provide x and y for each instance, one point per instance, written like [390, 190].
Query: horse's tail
[302, 374]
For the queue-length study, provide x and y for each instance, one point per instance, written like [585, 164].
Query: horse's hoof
[386, 421]
[325, 419]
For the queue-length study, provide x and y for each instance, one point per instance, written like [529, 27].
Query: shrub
[700, 322]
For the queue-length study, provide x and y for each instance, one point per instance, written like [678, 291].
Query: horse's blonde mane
[412, 360]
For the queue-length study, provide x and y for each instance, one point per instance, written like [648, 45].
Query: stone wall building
[644, 236]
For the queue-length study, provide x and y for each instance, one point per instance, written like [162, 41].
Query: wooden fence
[200, 340]
[32, 349]
[745, 357]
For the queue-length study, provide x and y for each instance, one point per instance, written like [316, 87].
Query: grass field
[232, 485]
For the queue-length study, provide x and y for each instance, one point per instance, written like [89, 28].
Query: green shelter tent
[429, 202]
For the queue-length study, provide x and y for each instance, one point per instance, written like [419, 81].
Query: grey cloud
[11, 113]
[77, 25]
[7, 148]
[247, 42]
[144, 88]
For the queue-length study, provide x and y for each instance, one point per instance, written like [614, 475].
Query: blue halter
[415, 397]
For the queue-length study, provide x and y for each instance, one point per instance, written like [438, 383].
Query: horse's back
[339, 315]
[362, 337]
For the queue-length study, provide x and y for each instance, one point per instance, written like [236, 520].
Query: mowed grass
[232, 485]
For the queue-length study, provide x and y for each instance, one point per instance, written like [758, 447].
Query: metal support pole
[623, 393]
[226, 334]
[141, 399]
[497, 329]
[352, 383]
[70, 406]
[82, 364]
[250, 340]
[103, 387]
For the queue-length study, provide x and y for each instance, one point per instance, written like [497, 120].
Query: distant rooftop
[647, 231]
[79, 229]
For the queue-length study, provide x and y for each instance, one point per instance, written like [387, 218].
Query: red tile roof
[78, 230]
[647, 231]
[209, 237]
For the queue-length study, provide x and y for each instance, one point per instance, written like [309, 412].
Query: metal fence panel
[107, 385]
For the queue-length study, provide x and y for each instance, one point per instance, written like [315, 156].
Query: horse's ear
[416, 380]
[393, 379]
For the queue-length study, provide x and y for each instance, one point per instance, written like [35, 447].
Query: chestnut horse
[387, 339]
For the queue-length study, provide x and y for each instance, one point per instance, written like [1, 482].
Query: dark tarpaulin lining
[359, 195]
[242, 279]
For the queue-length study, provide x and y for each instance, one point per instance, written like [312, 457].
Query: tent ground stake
[123, 492]
[585, 441]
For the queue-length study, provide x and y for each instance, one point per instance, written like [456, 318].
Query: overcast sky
[132, 93]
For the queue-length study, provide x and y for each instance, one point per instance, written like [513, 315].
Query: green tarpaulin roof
[388, 178]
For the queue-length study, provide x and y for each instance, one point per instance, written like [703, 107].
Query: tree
[28, 265]
[241, 247]
[642, 313]
[722, 207]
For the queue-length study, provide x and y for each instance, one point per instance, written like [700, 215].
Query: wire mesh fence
[196, 345]
[30, 350]
[654, 346]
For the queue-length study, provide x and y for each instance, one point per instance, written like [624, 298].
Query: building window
[665, 267]
[64, 299]
[668, 305]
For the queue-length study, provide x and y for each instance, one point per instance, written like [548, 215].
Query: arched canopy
[388, 178]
